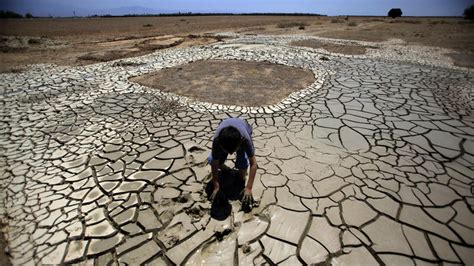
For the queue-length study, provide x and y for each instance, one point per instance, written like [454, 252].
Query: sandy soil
[230, 82]
[17, 51]
[81, 41]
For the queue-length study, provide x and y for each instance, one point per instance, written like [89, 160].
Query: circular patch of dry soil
[231, 82]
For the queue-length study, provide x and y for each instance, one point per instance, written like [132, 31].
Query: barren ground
[109, 172]
[230, 82]
[84, 41]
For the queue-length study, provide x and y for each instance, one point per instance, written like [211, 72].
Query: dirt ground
[332, 47]
[82, 41]
[230, 82]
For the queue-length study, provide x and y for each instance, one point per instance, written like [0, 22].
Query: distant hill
[126, 10]
[50, 8]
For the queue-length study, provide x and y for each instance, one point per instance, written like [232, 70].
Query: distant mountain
[44, 8]
[128, 10]
[58, 8]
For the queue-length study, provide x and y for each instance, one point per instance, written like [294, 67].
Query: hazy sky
[327, 7]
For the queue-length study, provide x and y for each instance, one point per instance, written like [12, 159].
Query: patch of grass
[88, 57]
[436, 22]
[126, 63]
[411, 21]
[161, 105]
[34, 41]
[372, 47]
[253, 29]
[291, 24]
[375, 20]
[148, 25]
[352, 24]
[11, 49]
[15, 70]
[335, 20]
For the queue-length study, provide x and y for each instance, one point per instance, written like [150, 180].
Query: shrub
[436, 22]
[28, 15]
[87, 57]
[395, 13]
[375, 20]
[34, 41]
[9, 14]
[126, 64]
[334, 20]
[469, 13]
[15, 70]
[352, 24]
[161, 105]
[291, 24]
[301, 28]
[11, 49]
[410, 21]
[148, 25]
[415, 21]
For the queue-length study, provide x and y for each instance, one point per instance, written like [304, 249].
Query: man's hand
[215, 191]
[247, 198]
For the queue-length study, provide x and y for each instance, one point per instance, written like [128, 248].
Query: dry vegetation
[452, 33]
[291, 24]
[332, 47]
[89, 40]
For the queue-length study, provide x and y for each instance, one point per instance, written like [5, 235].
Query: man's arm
[215, 173]
[247, 199]
[252, 172]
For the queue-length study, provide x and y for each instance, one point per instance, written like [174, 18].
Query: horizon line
[190, 14]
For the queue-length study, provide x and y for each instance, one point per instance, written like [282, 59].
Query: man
[234, 135]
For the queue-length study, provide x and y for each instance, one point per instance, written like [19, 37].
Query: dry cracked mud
[369, 164]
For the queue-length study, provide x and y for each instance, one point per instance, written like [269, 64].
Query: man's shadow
[231, 187]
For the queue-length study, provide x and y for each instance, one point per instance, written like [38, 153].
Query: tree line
[11, 14]
[394, 12]
[190, 14]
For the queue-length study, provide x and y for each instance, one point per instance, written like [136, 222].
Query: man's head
[230, 139]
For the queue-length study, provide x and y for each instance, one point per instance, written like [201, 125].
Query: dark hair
[230, 139]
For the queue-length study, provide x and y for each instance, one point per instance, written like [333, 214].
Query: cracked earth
[372, 163]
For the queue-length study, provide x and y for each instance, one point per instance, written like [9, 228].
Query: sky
[325, 7]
